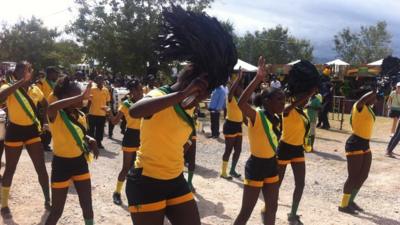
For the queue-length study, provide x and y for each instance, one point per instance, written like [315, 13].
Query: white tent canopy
[338, 62]
[376, 63]
[247, 67]
[294, 62]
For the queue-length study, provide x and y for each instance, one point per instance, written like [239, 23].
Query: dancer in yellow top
[233, 129]
[131, 140]
[71, 149]
[261, 173]
[358, 152]
[23, 129]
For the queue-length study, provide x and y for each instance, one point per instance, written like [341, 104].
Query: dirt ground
[219, 200]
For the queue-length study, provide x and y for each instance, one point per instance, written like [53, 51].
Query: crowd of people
[68, 114]
[71, 113]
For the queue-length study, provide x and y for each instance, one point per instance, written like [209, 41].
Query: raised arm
[298, 102]
[243, 103]
[235, 85]
[66, 102]
[365, 98]
[148, 106]
[11, 89]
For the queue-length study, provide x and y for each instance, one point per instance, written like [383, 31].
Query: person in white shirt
[275, 83]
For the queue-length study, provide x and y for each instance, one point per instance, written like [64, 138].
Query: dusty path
[219, 200]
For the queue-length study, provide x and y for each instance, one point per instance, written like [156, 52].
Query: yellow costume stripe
[253, 183]
[129, 149]
[33, 141]
[14, 144]
[180, 199]
[358, 152]
[63, 184]
[233, 135]
[82, 177]
[150, 207]
[271, 180]
[298, 160]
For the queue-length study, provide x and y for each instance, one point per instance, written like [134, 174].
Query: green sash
[180, 111]
[273, 140]
[26, 104]
[77, 133]
[127, 103]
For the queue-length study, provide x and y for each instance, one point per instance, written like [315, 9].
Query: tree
[369, 44]
[121, 34]
[30, 40]
[276, 44]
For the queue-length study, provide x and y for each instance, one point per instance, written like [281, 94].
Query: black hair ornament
[302, 78]
[199, 39]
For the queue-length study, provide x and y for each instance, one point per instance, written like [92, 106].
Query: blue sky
[316, 20]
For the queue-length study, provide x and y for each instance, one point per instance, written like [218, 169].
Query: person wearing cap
[393, 104]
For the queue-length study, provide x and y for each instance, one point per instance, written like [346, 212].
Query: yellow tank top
[15, 112]
[162, 137]
[131, 122]
[262, 138]
[46, 87]
[294, 128]
[64, 144]
[362, 123]
[233, 112]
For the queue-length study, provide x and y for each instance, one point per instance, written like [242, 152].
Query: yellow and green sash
[78, 132]
[268, 128]
[181, 112]
[26, 104]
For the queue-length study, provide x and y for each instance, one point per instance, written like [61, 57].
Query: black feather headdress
[303, 77]
[199, 39]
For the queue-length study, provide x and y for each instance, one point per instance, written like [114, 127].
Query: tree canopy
[276, 44]
[120, 34]
[30, 40]
[369, 44]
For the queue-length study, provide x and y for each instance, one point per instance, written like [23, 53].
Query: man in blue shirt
[217, 104]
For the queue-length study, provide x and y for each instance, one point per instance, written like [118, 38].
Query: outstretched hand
[27, 73]
[86, 94]
[261, 72]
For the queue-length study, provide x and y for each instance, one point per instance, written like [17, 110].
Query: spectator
[275, 83]
[217, 104]
[394, 106]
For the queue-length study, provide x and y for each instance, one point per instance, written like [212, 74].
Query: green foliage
[276, 44]
[30, 40]
[120, 34]
[369, 44]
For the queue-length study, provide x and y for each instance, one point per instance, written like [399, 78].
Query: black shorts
[18, 136]
[232, 129]
[356, 145]
[394, 114]
[288, 153]
[146, 194]
[260, 171]
[65, 170]
[131, 140]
